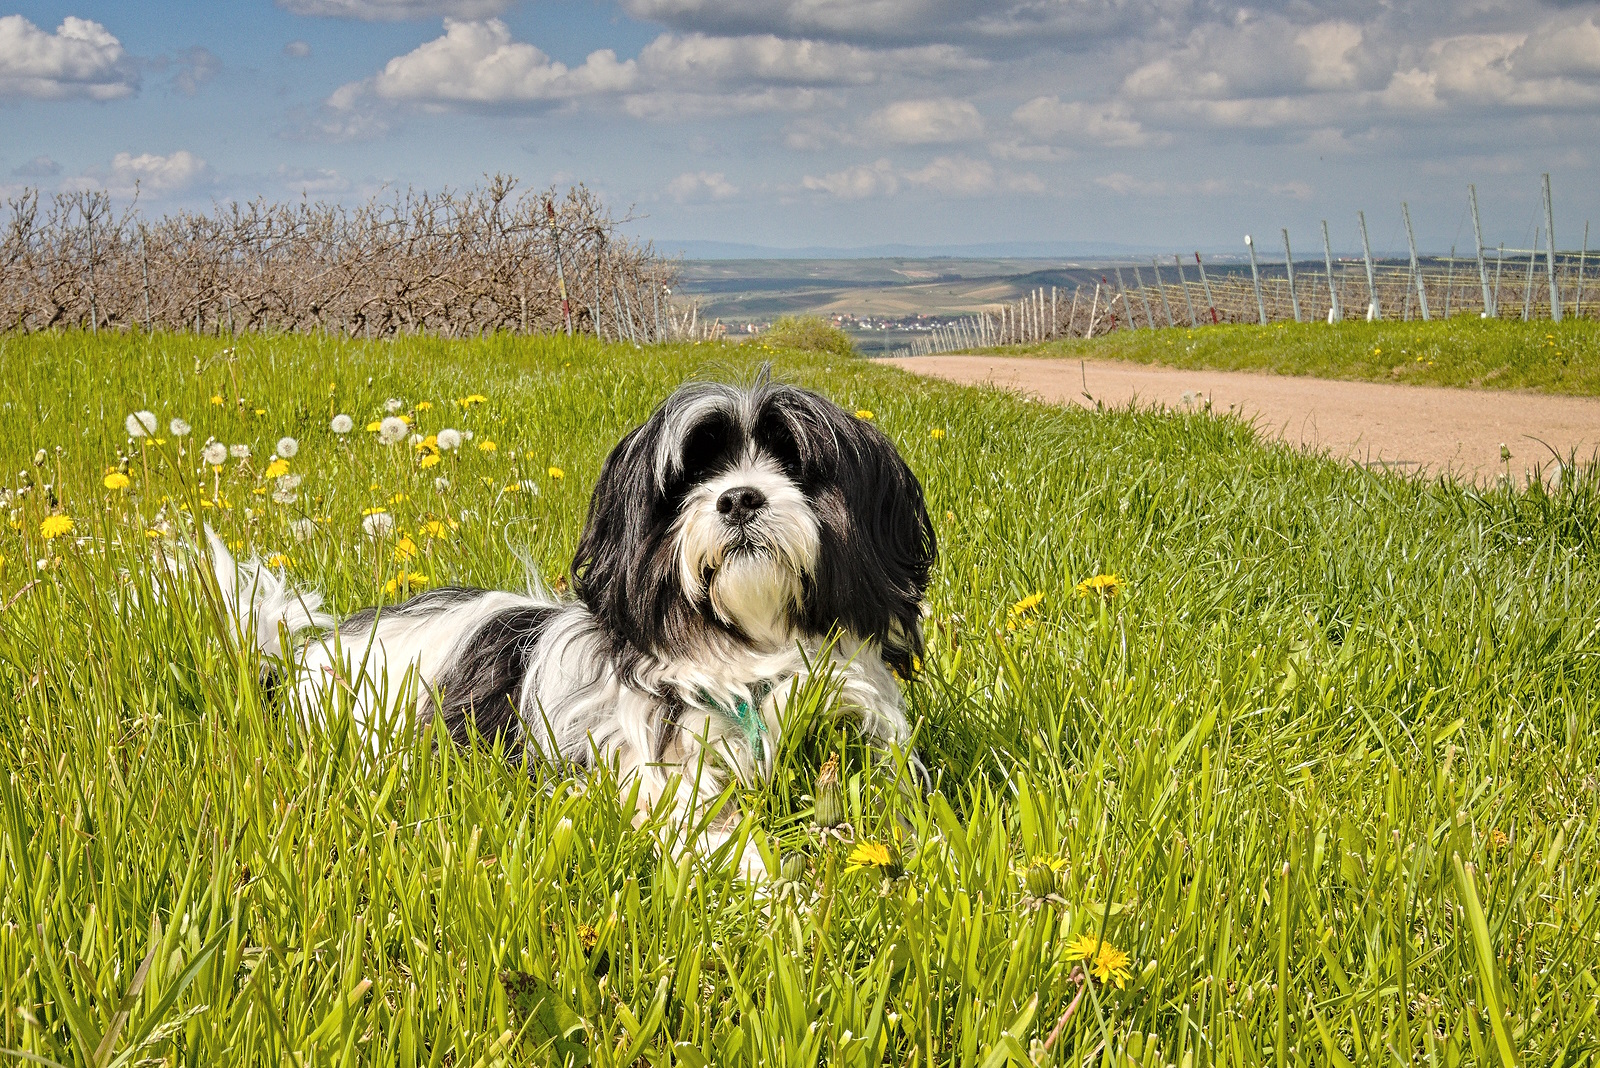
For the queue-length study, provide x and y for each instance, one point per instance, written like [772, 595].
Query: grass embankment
[1322, 772]
[1466, 352]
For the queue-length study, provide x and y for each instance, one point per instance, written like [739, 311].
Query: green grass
[1325, 769]
[1467, 352]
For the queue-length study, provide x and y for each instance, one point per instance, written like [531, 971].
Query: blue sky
[1171, 123]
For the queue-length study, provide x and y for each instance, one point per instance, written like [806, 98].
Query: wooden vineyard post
[1205, 284]
[1334, 314]
[1144, 299]
[1374, 310]
[1577, 310]
[1449, 279]
[1288, 263]
[1183, 284]
[1416, 273]
[1072, 315]
[1165, 306]
[1255, 277]
[1094, 311]
[1490, 305]
[1550, 251]
[1527, 282]
[1127, 308]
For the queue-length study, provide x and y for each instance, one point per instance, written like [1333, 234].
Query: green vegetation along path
[1410, 428]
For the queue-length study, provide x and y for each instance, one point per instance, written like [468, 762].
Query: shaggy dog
[737, 542]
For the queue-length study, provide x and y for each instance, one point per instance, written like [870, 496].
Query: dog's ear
[877, 545]
[608, 568]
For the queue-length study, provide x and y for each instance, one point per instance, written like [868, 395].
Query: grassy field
[1313, 782]
[1469, 352]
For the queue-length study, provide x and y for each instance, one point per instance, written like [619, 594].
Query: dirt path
[1405, 427]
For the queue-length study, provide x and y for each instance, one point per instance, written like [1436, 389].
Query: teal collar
[745, 713]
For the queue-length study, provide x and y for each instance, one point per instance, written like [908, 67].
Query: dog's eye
[777, 441]
[705, 448]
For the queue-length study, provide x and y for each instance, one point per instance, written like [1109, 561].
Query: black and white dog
[737, 541]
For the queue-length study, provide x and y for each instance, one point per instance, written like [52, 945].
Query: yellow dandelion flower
[1028, 603]
[116, 480]
[487, 446]
[880, 856]
[54, 526]
[279, 560]
[435, 529]
[937, 433]
[217, 400]
[588, 937]
[405, 549]
[556, 474]
[379, 510]
[864, 413]
[1107, 586]
[1111, 966]
[430, 460]
[375, 425]
[397, 498]
[261, 411]
[511, 487]
[471, 399]
[424, 406]
[1084, 946]
[277, 468]
[405, 580]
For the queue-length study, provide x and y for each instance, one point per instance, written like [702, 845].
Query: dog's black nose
[741, 503]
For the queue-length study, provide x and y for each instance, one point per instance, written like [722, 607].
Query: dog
[737, 542]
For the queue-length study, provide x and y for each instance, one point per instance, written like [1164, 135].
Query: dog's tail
[266, 607]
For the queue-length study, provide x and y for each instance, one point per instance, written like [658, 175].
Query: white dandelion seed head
[342, 424]
[415, 439]
[284, 496]
[290, 482]
[529, 486]
[466, 435]
[393, 404]
[179, 428]
[215, 453]
[392, 430]
[448, 439]
[239, 452]
[140, 424]
[303, 529]
[287, 447]
[441, 484]
[378, 524]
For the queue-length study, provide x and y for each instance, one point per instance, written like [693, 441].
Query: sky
[1171, 124]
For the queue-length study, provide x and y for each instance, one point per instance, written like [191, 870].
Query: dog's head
[766, 514]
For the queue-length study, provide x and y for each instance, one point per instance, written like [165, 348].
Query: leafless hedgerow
[456, 263]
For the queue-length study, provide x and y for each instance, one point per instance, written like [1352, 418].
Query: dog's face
[765, 514]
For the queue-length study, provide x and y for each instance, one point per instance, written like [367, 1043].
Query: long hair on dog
[738, 541]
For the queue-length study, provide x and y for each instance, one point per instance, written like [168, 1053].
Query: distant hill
[733, 250]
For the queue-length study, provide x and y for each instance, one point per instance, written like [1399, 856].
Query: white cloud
[479, 63]
[697, 58]
[1108, 123]
[949, 175]
[394, 10]
[297, 49]
[1134, 186]
[934, 121]
[196, 67]
[38, 167]
[701, 185]
[150, 174]
[673, 77]
[314, 181]
[854, 183]
[81, 59]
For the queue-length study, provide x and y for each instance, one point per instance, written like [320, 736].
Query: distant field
[1467, 352]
